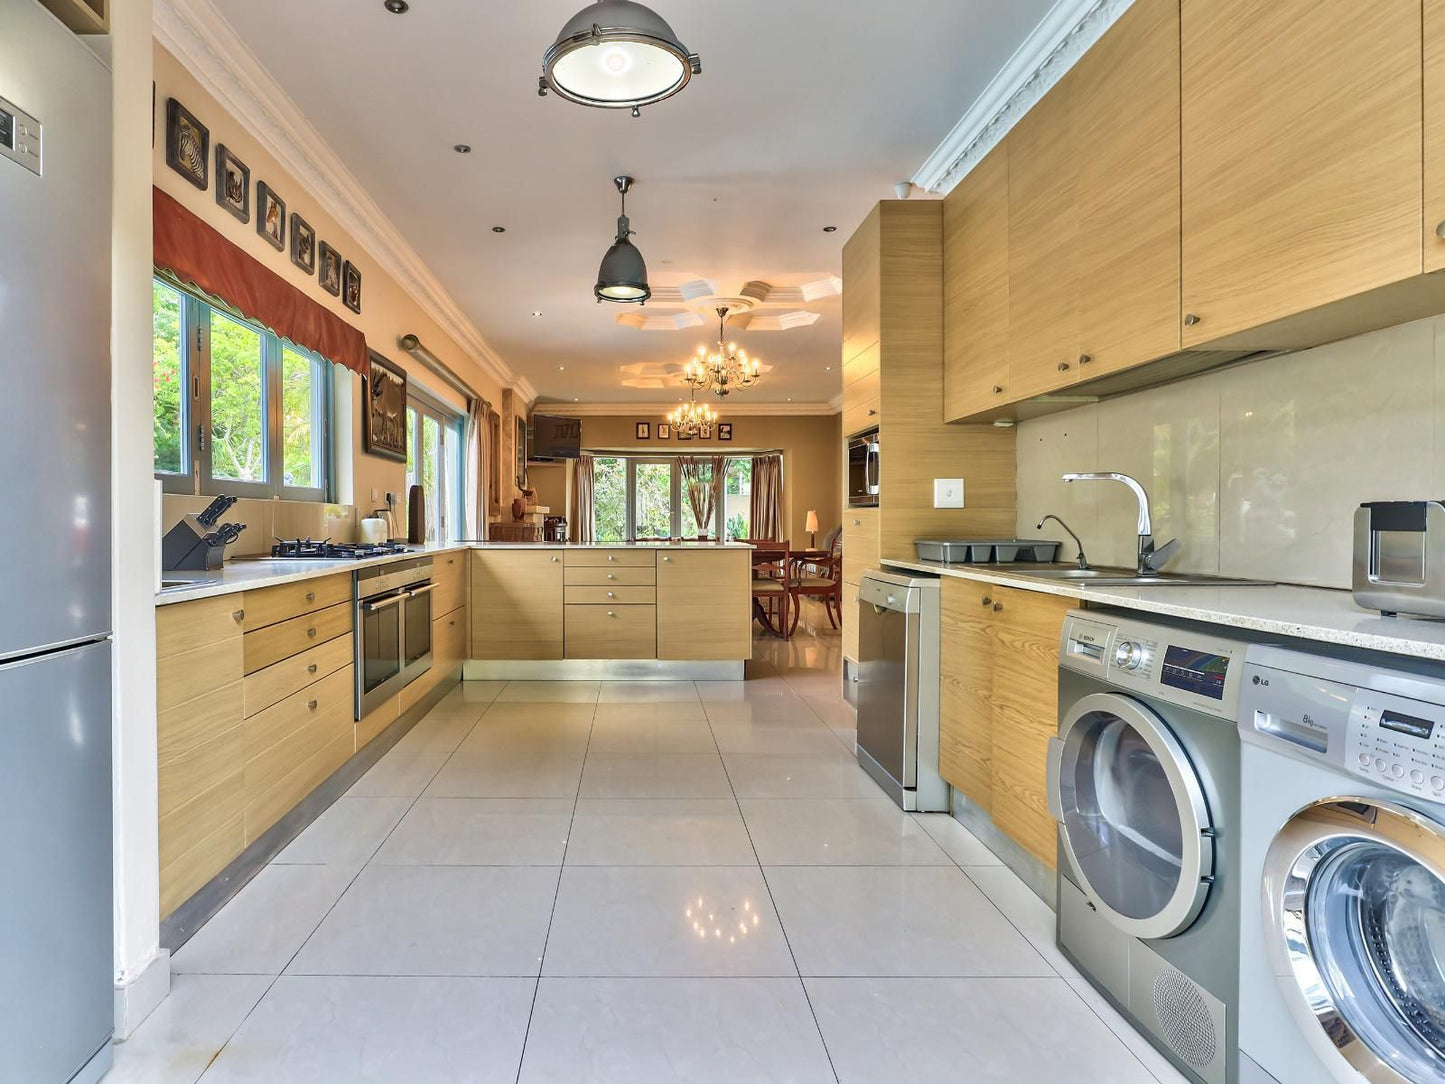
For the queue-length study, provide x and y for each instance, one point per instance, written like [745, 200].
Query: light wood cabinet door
[516, 609]
[704, 605]
[1434, 135]
[976, 290]
[863, 297]
[965, 739]
[611, 632]
[1027, 626]
[1302, 156]
[1126, 127]
[1043, 254]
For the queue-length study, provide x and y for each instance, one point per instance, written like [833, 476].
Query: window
[434, 438]
[237, 409]
[639, 498]
[738, 498]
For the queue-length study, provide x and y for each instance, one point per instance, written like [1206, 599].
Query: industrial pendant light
[617, 54]
[622, 278]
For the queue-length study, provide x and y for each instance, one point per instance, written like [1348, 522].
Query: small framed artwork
[683, 434]
[644, 430]
[704, 431]
[724, 430]
[233, 183]
[330, 269]
[188, 145]
[271, 216]
[351, 287]
[664, 431]
[383, 409]
[303, 244]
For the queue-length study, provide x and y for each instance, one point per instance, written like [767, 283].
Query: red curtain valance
[193, 252]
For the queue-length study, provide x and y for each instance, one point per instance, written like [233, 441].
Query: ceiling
[804, 116]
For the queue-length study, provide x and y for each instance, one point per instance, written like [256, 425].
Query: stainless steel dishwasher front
[898, 688]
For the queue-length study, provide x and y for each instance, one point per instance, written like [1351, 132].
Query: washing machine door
[1354, 897]
[1134, 821]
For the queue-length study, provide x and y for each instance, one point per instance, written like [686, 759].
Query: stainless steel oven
[863, 459]
[393, 629]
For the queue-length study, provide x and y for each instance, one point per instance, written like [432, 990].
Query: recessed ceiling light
[397, 7]
[830, 229]
[561, 368]
[463, 148]
[499, 229]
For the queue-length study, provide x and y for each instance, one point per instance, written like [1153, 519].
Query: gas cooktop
[325, 549]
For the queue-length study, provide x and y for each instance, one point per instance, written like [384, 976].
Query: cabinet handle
[666, 558]
[556, 559]
[311, 704]
[611, 558]
[310, 596]
[611, 594]
[311, 634]
[998, 389]
[610, 576]
[872, 413]
[1190, 319]
[857, 523]
[1063, 366]
[997, 607]
[453, 624]
[987, 601]
[1085, 359]
[238, 615]
[311, 669]
[611, 614]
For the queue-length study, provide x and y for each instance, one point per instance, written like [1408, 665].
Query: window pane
[169, 378]
[738, 507]
[654, 500]
[609, 499]
[698, 495]
[431, 457]
[238, 444]
[410, 448]
[301, 420]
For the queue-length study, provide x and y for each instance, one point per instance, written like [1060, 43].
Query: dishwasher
[898, 639]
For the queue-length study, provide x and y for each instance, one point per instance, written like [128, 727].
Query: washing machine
[1343, 915]
[1144, 783]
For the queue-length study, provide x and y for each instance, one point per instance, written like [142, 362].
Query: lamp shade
[617, 54]
[623, 275]
[812, 525]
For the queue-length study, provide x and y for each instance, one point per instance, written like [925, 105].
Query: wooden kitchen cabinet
[1302, 156]
[976, 290]
[517, 600]
[704, 605]
[966, 714]
[1434, 28]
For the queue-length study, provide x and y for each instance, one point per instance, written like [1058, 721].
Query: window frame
[630, 465]
[196, 477]
[451, 499]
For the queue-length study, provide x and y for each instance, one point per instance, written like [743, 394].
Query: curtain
[477, 456]
[767, 502]
[582, 526]
[701, 474]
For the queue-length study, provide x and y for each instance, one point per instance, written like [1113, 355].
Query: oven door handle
[390, 600]
[424, 589]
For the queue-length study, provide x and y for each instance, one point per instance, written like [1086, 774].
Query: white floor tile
[760, 739]
[962, 846]
[896, 920]
[561, 735]
[834, 775]
[988, 1031]
[703, 1031]
[690, 711]
[665, 921]
[435, 920]
[774, 709]
[480, 832]
[743, 692]
[347, 834]
[475, 692]
[399, 774]
[650, 736]
[310, 1030]
[261, 928]
[177, 1042]
[837, 832]
[674, 776]
[647, 832]
[439, 733]
[556, 692]
[648, 692]
[523, 774]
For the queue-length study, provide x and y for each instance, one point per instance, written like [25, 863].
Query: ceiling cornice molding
[197, 35]
[727, 410]
[1054, 46]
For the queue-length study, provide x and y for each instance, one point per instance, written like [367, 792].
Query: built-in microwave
[863, 469]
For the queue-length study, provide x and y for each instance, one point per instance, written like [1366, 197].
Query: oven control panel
[19, 136]
[1397, 743]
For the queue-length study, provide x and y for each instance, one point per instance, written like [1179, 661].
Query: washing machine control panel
[1397, 743]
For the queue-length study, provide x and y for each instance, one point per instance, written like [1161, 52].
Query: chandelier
[692, 419]
[725, 369]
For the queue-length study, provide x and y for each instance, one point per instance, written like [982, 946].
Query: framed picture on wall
[233, 183]
[644, 430]
[683, 434]
[271, 216]
[351, 287]
[383, 409]
[329, 273]
[724, 430]
[188, 145]
[521, 450]
[303, 244]
[664, 431]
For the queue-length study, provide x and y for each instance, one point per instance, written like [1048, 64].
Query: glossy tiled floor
[633, 882]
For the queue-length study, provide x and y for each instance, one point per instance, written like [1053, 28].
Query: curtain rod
[644, 453]
[413, 346]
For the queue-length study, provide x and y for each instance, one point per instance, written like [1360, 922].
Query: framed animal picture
[303, 244]
[188, 145]
[644, 431]
[233, 183]
[351, 287]
[329, 272]
[724, 430]
[271, 216]
[664, 431]
[383, 409]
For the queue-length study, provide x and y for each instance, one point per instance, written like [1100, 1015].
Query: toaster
[1399, 564]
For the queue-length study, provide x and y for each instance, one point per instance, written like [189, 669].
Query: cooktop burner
[327, 549]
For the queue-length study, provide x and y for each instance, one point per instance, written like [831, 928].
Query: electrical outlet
[948, 493]
[375, 494]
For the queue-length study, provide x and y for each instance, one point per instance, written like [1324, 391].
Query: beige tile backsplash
[1257, 469]
[267, 520]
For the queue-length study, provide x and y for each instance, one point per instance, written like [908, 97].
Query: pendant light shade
[622, 278]
[617, 54]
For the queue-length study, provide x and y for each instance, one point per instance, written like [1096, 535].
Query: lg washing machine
[1342, 921]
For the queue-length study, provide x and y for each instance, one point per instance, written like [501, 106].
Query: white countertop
[683, 544]
[1306, 613]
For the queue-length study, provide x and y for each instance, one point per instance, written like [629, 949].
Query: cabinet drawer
[273, 604]
[190, 674]
[198, 745]
[860, 542]
[270, 645]
[626, 558]
[449, 575]
[861, 416]
[335, 694]
[610, 576]
[612, 596]
[280, 680]
[267, 804]
[185, 626]
[606, 632]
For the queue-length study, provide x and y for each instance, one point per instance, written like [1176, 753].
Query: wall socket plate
[948, 493]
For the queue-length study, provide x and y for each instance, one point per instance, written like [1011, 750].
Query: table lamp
[812, 528]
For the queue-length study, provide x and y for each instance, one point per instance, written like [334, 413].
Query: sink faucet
[1083, 561]
[1151, 558]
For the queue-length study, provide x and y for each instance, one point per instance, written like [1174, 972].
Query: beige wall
[811, 447]
[387, 311]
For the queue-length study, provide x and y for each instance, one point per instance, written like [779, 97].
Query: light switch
[948, 493]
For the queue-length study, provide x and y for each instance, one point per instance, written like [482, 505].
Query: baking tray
[986, 551]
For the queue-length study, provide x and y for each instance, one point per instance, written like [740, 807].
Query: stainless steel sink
[1128, 577]
[172, 585]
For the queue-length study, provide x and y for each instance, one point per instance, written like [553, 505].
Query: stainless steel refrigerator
[56, 955]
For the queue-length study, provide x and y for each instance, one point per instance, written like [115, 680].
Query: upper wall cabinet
[1302, 162]
[975, 293]
[1434, 135]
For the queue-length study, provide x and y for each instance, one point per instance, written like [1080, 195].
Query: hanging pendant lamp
[617, 54]
[622, 278]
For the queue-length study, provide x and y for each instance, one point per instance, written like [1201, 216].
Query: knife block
[184, 548]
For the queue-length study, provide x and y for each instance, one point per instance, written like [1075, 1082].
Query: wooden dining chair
[772, 568]
[822, 578]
